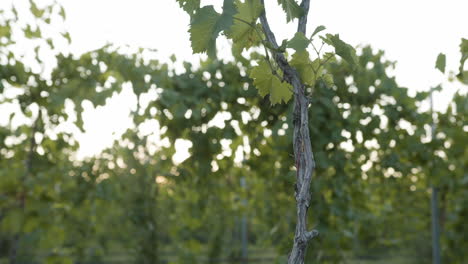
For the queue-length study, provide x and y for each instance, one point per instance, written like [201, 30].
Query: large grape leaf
[244, 35]
[206, 26]
[292, 9]
[268, 83]
[307, 69]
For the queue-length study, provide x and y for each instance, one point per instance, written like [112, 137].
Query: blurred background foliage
[133, 203]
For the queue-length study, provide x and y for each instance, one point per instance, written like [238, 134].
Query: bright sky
[412, 32]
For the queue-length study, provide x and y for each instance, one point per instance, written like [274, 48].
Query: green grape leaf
[268, 83]
[30, 33]
[440, 62]
[309, 71]
[463, 77]
[299, 42]
[292, 9]
[227, 17]
[189, 6]
[67, 36]
[462, 74]
[464, 46]
[243, 34]
[62, 13]
[37, 12]
[317, 30]
[342, 49]
[206, 26]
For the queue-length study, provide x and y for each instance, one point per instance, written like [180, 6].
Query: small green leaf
[309, 71]
[292, 9]
[30, 33]
[268, 83]
[62, 12]
[15, 12]
[463, 77]
[317, 30]
[282, 47]
[462, 74]
[299, 42]
[342, 49]
[440, 62]
[37, 12]
[66, 35]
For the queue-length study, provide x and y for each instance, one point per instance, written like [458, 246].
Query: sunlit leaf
[308, 70]
[243, 31]
[267, 83]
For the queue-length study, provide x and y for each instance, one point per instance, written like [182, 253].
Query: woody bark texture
[304, 159]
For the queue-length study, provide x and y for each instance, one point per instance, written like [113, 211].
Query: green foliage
[38, 13]
[440, 63]
[299, 42]
[244, 32]
[463, 74]
[291, 8]
[370, 140]
[203, 30]
[317, 30]
[309, 70]
[206, 26]
[342, 49]
[189, 6]
[268, 83]
[239, 23]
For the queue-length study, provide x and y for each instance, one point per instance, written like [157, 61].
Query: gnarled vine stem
[304, 159]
